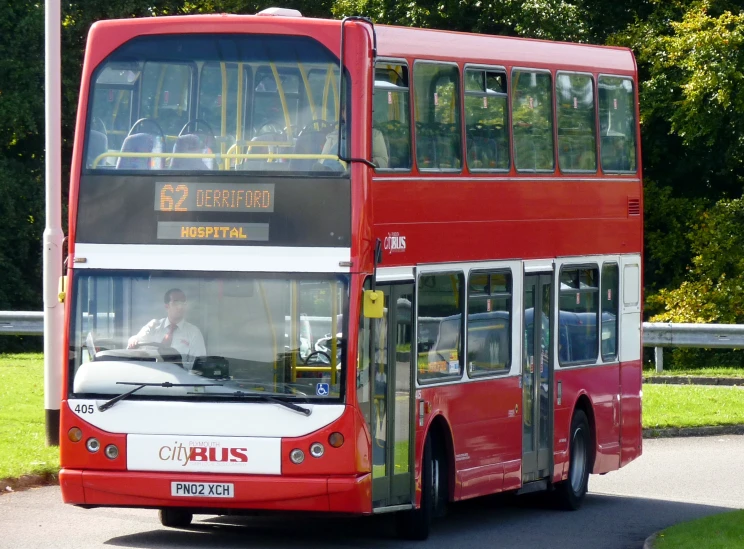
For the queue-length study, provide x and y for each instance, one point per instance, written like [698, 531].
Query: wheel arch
[441, 432]
[584, 404]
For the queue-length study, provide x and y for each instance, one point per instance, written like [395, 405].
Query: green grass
[23, 447]
[725, 531]
[698, 372]
[692, 405]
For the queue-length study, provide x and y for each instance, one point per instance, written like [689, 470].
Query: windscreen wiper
[269, 398]
[167, 384]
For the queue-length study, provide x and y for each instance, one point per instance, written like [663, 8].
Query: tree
[549, 19]
[713, 291]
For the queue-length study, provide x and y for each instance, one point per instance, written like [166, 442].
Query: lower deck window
[439, 331]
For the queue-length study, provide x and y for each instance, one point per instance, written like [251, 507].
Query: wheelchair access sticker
[322, 389]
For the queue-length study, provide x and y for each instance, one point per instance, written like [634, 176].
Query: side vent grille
[634, 206]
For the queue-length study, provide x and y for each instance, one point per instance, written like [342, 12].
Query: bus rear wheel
[175, 518]
[416, 523]
[570, 493]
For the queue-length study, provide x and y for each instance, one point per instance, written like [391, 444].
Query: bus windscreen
[209, 103]
[214, 336]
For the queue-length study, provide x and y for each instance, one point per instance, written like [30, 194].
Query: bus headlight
[111, 451]
[93, 445]
[317, 450]
[297, 456]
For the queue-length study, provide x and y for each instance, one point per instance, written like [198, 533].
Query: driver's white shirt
[187, 339]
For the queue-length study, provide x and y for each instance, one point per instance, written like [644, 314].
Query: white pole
[53, 236]
[659, 359]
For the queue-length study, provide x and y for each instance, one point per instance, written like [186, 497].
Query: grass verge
[695, 372]
[725, 531]
[692, 406]
[23, 449]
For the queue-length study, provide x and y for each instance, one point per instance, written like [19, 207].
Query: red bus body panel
[445, 218]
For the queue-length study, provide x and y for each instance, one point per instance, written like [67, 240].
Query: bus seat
[190, 143]
[426, 146]
[97, 145]
[380, 149]
[136, 143]
[263, 164]
[309, 141]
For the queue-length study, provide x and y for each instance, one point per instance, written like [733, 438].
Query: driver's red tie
[169, 336]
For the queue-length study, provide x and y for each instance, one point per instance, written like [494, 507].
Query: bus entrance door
[391, 375]
[537, 375]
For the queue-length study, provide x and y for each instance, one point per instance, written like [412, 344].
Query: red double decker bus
[330, 266]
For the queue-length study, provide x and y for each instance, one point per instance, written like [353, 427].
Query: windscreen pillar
[53, 237]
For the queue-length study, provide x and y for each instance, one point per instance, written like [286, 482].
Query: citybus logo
[202, 453]
[394, 243]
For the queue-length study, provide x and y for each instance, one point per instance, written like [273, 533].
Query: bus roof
[393, 41]
[483, 48]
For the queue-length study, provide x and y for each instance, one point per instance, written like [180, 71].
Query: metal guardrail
[707, 336]
[727, 336]
[21, 323]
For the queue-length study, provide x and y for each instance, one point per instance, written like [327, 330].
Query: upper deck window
[391, 117]
[216, 102]
[532, 120]
[577, 144]
[486, 119]
[617, 124]
[437, 113]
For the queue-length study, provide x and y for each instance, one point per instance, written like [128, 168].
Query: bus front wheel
[416, 523]
[175, 518]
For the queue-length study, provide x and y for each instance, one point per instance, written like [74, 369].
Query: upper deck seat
[97, 145]
[263, 164]
[185, 144]
[136, 143]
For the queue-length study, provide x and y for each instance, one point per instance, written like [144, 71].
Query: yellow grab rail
[268, 156]
[294, 348]
[223, 117]
[239, 110]
[283, 99]
[309, 90]
[334, 329]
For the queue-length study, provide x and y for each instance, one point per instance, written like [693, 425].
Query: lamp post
[53, 236]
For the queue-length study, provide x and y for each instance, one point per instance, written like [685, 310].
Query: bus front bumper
[338, 494]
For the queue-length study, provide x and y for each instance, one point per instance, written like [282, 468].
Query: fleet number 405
[84, 409]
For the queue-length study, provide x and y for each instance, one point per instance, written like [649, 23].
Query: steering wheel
[154, 344]
[148, 121]
[168, 353]
[306, 360]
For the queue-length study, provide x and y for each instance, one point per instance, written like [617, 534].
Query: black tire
[175, 518]
[570, 493]
[416, 524]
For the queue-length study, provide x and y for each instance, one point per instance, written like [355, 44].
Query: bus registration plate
[203, 489]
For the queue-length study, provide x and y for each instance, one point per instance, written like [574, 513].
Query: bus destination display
[213, 197]
[214, 209]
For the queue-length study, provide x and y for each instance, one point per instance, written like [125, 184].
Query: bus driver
[173, 330]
